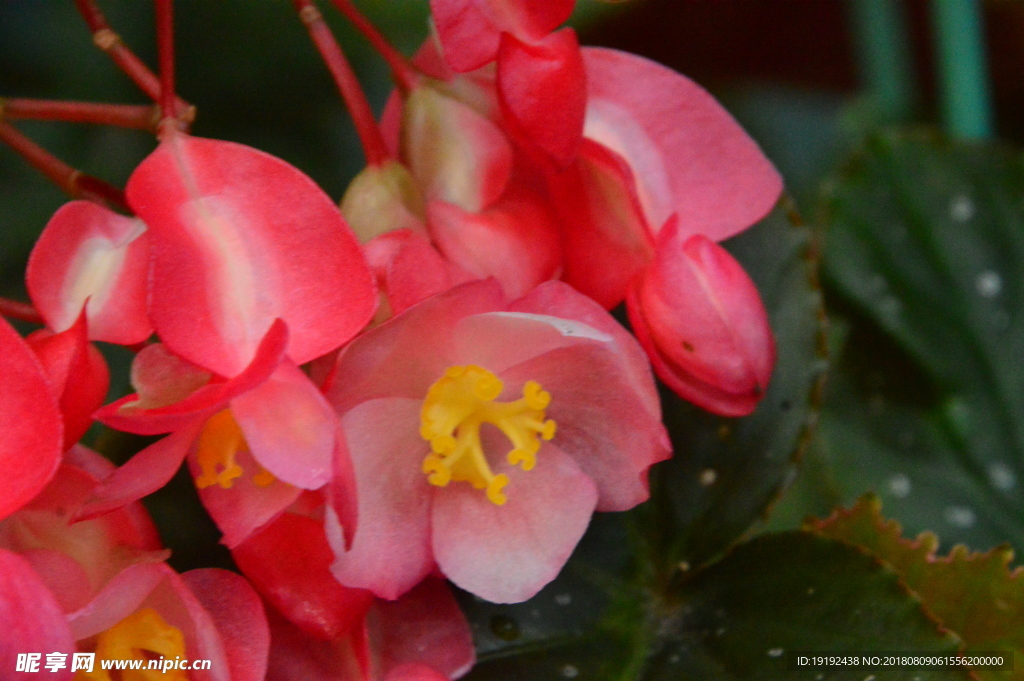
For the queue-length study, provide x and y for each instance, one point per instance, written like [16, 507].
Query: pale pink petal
[31, 427]
[424, 626]
[89, 256]
[240, 238]
[558, 299]
[289, 561]
[30, 618]
[239, 617]
[161, 378]
[289, 427]
[686, 152]
[244, 507]
[607, 240]
[701, 320]
[390, 552]
[122, 595]
[602, 422]
[64, 576]
[542, 87]
[506, 554]
[143, 474]
[405, 355]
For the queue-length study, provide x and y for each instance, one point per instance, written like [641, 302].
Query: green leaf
[727, 472]
[736, 619]
[974, 595]
[926, 239]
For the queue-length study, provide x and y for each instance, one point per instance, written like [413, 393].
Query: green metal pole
[963, 72]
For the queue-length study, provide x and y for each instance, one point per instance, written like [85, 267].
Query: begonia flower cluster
[417, 383]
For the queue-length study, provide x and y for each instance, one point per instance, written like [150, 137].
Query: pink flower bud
[701, 321]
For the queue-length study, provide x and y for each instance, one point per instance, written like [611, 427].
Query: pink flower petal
[120, 597]
[701, 320]
[542, 88]
[238, 614]
[78, 375]
[289, 427]
[30, 617]
[89, 256]
[515, 241]
[297, 656]
[409, 269]
[143, 474]
[31, 427]
[289, 561]
[131, 414]
[244, 507]
[603, 423]
[607, 240]
[390, 551]
[425, 627]
[687, 154]
[405, 355]
[506, 554]
[239, 239]
[456, 154]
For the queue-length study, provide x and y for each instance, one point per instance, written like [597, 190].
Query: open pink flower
[484, 434]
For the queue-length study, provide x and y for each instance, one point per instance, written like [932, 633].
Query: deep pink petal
[701, 320]
[289, 561]
[289, 427]
[390, 552]
[77, 372]
[687, 154]
[515, 241]
[424, 626]
[467, 32]
[603, 423]
[606, 237]
[64, 576]
[239, 617]
[341, 493]
[405, 355]
[90, 253]
[132, 415]
[239, 239]
[244, 507]
[542, 88]
[409, 269]
[30, 617]
[506, 554]
[415, 671]
[143, 474]
[297, 656]
[31, 428]
[455, 153]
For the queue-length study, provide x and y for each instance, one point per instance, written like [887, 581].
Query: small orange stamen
[219, 443]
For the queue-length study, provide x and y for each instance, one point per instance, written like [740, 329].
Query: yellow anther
[219, 443]
[143, 636]
[455, 408]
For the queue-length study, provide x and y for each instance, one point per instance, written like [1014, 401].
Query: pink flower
[100, 586]
[484, 434]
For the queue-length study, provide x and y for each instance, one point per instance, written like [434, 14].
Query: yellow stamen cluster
[456, 405]
[219, 443]
[144, 636]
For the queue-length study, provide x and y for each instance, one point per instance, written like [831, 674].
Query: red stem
[23, 311]
[109, 42]
[136, 117]
[165, 52]
[351, 91]
[404, 74]
[74, 182]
